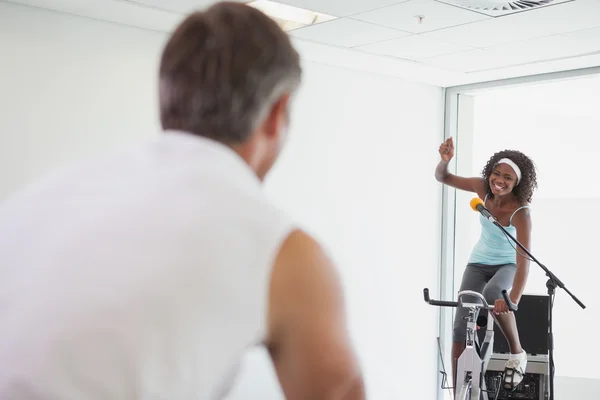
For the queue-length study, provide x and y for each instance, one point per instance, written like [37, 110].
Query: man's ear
[277, 117]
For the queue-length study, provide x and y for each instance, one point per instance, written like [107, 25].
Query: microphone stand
[552, 283]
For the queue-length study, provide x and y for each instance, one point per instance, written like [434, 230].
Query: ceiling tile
[415, 47]
[120, 12]
[340, 8]
[347, 32]
[577, 15]
[499, 11]
[587, 37]
[567, 17]
[404, 16]
[464, 62]
[539, 50]
[493, 31]
[182, 6]
[547, 48]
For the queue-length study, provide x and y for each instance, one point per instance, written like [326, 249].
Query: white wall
[358, 172]
[70, 87]
[362, 155]
[556, 124]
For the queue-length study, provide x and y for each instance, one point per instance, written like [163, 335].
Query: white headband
[514, 166]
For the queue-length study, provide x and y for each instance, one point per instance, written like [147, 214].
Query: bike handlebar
[511, 306]
[438, 302]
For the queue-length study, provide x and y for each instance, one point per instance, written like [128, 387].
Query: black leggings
[490, 281]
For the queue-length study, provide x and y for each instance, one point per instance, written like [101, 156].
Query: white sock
[519, 356]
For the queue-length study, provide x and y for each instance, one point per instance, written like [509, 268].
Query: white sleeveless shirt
[144, 275]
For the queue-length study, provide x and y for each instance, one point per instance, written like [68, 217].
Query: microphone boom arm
[549, 273]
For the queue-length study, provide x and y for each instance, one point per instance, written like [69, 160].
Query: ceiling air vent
[497, 8]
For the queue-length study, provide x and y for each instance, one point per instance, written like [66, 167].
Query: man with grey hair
[148, 273]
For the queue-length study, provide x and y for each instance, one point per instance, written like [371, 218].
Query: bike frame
[472, 364]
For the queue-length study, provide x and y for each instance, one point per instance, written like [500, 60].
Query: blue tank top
[494, 247]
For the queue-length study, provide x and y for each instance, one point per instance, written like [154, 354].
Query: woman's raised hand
[447, 150]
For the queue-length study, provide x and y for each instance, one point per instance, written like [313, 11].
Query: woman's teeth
[498, 187]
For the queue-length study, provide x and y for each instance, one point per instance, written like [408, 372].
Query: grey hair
[285, 86]
[223, 70]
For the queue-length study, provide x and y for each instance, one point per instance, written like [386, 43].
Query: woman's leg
[474, 278]
[515, 367]
[503, 280]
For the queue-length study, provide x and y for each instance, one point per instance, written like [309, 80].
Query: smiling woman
[506, 187]
[505, 164]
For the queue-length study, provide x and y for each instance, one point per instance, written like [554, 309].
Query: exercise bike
[473, 362]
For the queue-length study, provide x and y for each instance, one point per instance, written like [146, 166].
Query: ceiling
[447, 44]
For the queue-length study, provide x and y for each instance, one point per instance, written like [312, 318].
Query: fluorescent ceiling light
[288, 17]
